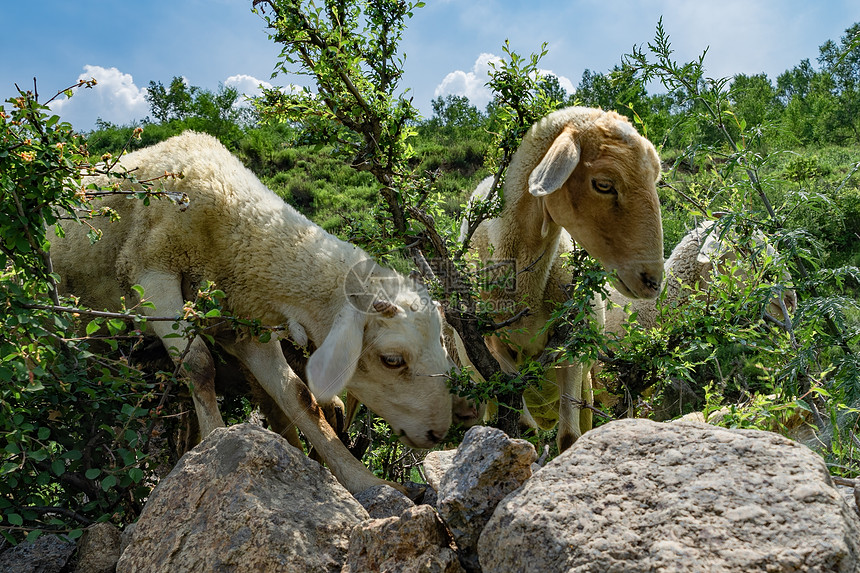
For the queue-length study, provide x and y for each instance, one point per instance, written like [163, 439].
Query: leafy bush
[73, 420]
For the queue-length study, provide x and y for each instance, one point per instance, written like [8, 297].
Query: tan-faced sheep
[692, 263]
[377, 334]
[589, 173]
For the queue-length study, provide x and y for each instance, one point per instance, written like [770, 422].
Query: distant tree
[795, 82]
[550, 85]
[754, 99]
[455, 111]
[617, 91]
[843, 60]
[172, 102]
[842, 63]
[811, 109]
[218, 110]
[595, 89]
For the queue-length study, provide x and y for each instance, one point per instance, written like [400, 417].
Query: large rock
[47, 554]
[488, 466]
[636, 495]
[436, 465]
[244, 500]
[414, 542]
[383, 501]
[99, 549]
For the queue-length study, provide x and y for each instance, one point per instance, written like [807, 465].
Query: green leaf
[44, 433]
[75, 533]
[35, 385]
[73, 455]
[93, 326]
[15, 519]
[136, 474]
[214, 313]
[58, 467]
[108, 482]
[92, 473]
[138, 289]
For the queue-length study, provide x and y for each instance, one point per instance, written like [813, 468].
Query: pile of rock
[632, 495]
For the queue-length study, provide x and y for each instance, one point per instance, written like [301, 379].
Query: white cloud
[564, 82]
[470, 84]
[115, 98]
[473, 84]
[247, 85]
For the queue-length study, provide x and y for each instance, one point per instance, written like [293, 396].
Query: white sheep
[585, 172]
[692, 263]
[377, 333]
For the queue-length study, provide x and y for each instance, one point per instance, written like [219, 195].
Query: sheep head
[386, 348]
[597, 179]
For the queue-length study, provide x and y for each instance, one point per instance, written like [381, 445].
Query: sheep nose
[650, 282]
[466, 415]
[434, 437]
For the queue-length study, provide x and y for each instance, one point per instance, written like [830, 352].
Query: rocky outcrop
[382, 501]
[436, 464]
[488, 466]
[632, 495]
[636, 495]
[47, 554]
[244, 500]
[416, 541]
[99, 549]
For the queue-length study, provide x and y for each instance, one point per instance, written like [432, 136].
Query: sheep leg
[352, 405]
[164, 290]
[267, 363]
[586, 416]
[569, 380]
[276, 419]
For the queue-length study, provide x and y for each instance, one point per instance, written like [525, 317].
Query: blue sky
[448, 44]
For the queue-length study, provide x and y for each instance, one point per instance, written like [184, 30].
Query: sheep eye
[603, 186]
[392, 360]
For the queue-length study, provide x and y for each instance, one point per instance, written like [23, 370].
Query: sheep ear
[331, 367]
[560, 160]
[547, 219]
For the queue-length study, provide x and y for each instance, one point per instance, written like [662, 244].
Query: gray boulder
[414, 542]
[47, 554]
[436, 463]
[99, 549]
[244, 500]
[382, 501]
[637, 495]
[488, 466]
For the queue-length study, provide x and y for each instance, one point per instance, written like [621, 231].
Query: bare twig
[508, 322]
[44, 510]
[583, 404]
[98, 313]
